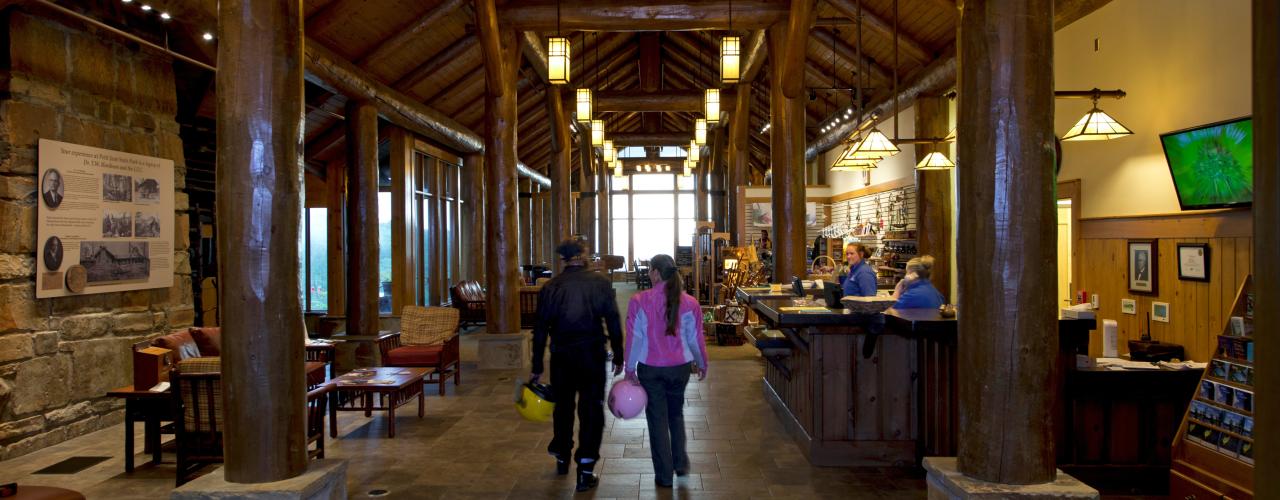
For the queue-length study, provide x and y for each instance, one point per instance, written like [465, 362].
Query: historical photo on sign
[113, 261]
[117, 224]
[52, 253]
[146, 190]
[1142, 266]
[117, 188]
[146, 225]
[52, 189]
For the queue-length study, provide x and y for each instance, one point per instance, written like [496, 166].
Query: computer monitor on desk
[832, 293]
[797, 286]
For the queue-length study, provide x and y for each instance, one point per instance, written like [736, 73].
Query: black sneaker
[562, 467]
[661, 484]
[682, 472]
[586, 480]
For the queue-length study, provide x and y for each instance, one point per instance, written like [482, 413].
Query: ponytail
[674, 286]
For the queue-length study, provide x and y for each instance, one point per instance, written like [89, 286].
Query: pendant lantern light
[558, 57]
[730, 59]
[584, 101]
[688, 169]
[597, 133]
[711, 106]
[700, 131]
[608, 152]
[617, 168]
[935, 161]
[875, 146]
[847, 162]
[1096, 125]
[694, 151]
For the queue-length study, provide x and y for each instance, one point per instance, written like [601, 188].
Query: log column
[259, 203]
[933, 188]
[473, 212]
[786, 145]
[335, 193]
[1266, 231]
[561, 157]
[738, 155]
[362, 218]
[603, 234]
[501, 59]
[1008, 332]
[524, 213]
[586, 188]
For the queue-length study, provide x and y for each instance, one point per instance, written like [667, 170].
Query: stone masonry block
[138, 143]
[16, 266]
[77, 411]
[93, 67]
[35, 90]
[45, 342]
[169, 147]
[85, 326]
[182, 317]
[17, 228]
[100, 365]
[155, 85]
[18, 308]
[18, 187]
[16, 346]
[28, 122]
[42, 383]
[181, 202]
[37, 48]
[17, 429]
[133, 323]
[33, 443]
[84, 131]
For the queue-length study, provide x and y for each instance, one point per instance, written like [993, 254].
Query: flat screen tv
[1212, 165]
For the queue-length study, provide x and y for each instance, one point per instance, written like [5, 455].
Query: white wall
[1182, 62]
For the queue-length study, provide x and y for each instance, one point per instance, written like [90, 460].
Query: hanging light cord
[895, 70]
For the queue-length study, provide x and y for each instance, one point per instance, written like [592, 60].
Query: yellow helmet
[534, 402]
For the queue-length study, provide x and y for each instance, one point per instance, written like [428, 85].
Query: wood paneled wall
[1198, 310]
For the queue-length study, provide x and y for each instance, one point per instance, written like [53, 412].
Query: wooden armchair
[469, 299]
[529, 305]
[317, 407]
[428, 338]
[197, 396]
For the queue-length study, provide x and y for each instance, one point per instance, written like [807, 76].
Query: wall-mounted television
[1212, 165]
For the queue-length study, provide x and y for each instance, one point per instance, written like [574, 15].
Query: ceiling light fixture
[207, 36]
[711, 106]
[558, 56]
[730, 54]
[617, 168]
[1096, 125]
[165, 16]
[935, 161]
[700, 131]
[597, 133]
[694, 151]
[146, 8]
[608, 152]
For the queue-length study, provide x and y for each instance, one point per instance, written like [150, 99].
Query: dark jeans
[664, 386]
[577, 380]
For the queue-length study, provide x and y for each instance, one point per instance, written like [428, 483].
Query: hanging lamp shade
[617, 168]
[584, 100]
[558, 60]
[951, 136]
[597, 133]
[695, 152]
[606, 150]
[700, 131]
[874, 146]
[935, 161]
[688, 169]
[848, 162]
[711, 106]
[730, 59]
[1096, 125]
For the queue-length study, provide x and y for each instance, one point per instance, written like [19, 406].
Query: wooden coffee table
[370, 389]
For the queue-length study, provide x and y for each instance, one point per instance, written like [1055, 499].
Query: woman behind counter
[916, 291]
[861, 280]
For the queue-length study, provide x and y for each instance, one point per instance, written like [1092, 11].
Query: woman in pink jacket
[664, 344]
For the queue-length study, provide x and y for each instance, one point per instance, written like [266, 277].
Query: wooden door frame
[1073, 190]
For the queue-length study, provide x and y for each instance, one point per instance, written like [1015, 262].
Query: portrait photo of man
[51, 188]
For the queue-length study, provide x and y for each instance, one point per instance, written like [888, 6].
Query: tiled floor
[472, 444]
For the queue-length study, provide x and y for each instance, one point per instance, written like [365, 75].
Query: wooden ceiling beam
[330, 15]
[875, 24]
[652, 139]
[651, 61]
[689, 100]
[414, 31]
[534, 49]
[635, 15]
[849, 55]
[455, 51]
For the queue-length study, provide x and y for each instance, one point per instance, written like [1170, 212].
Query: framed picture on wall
[1193, 261]
[1142, 266]
[1160, 312]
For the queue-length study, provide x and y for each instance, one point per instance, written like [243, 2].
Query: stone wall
[58, 357]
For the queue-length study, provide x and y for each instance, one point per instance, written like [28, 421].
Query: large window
[437, 187]
[314, 275]
[384, 252]
[652, 214]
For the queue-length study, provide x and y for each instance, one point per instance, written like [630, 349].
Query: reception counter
[867, 389]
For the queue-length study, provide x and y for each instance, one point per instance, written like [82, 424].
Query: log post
[502, 60]
[786, 145]
[561, 157]
[259, 205]
[336, 191]
[586, 188]
[362, 218]
[1266, 235]
[526, 229]
[1008, 332]
[739, 153]
[537, 230]
[933, 188]
[473, 211]
[404, 224]
[791, 58]
[603, 235]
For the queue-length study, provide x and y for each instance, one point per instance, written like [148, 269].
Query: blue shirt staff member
[916, 291]
[861, 280]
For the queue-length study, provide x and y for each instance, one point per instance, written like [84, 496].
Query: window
[655, 216]
[384, 252]
[314, 275]
[437, 185]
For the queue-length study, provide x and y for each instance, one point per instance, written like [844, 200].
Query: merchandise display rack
[1213, 450]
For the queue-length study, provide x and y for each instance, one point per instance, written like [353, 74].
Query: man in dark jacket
[571, 308]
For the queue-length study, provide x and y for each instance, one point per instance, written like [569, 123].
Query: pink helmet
[627, 399]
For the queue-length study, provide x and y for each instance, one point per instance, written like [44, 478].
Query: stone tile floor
[472, 444]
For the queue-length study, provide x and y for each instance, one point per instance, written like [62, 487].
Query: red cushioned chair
[469, 299]
[428, 339]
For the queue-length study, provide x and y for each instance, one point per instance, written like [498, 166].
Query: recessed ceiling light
[165, 16]
[146, 7]
[127, 1]
[207, 36]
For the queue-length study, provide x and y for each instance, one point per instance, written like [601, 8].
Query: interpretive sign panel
[105, 222]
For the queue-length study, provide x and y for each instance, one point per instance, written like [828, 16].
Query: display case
[1213, 450]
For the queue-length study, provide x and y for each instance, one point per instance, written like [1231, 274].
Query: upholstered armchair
[469, 299]
[428, 338]
[197, 395]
